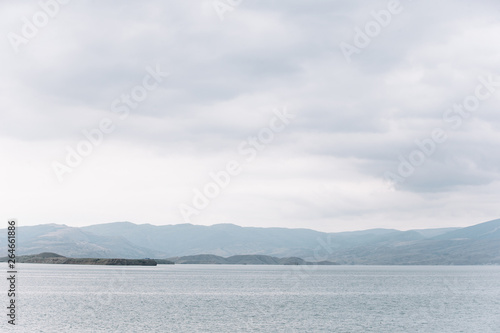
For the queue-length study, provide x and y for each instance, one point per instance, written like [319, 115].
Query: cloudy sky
[316, 108]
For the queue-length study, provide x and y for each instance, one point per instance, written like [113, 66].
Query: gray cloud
[353, 120]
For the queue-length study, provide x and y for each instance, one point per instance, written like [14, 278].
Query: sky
[327, 115]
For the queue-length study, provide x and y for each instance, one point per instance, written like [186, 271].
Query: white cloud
[325, 171]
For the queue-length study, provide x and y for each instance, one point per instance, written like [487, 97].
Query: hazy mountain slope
[241, 260]
[486, 230]
[434, 232]
[74, 242]
[229, 239]
[220, 239]
[428, 252]
[478, 244]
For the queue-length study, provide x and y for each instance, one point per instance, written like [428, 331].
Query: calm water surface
[219, 298]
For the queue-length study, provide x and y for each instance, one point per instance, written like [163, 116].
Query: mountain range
[474, 245]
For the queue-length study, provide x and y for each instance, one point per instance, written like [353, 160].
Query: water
[212, 298]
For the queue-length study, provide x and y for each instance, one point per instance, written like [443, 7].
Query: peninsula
[54, 258]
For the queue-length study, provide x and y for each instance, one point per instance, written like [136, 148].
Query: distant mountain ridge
[477, 244]
[244, 260]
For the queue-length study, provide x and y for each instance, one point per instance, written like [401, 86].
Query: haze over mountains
[478, 244]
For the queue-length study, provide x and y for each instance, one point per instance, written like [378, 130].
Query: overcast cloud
[326, 170]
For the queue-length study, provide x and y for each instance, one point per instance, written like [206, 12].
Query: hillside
[477, 244]
[54, 258]
[244, 260]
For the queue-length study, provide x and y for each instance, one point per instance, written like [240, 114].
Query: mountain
[74, 242]
[244, 260]
[477, 244]
[219, 239]
[486, 230]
